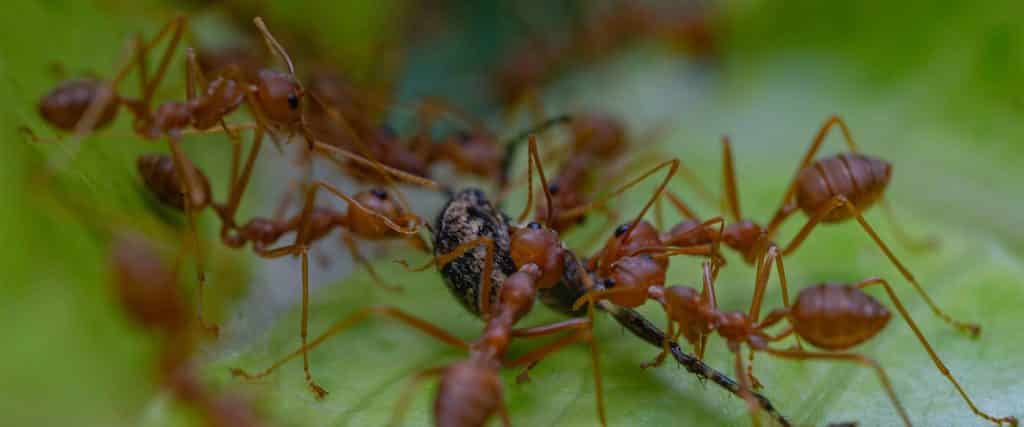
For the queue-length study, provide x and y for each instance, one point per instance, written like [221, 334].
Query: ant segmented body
[832, 317]
[833, 189]
[149, 294]
[529, 259]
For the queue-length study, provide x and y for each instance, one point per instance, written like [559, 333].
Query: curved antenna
[273, 44]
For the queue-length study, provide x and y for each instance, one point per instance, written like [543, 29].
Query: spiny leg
[409, 320]
[853, 358]
[841, 202]
[931, 352]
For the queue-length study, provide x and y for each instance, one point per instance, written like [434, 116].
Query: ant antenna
[273, 44]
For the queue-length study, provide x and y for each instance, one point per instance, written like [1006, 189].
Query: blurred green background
[933, 87]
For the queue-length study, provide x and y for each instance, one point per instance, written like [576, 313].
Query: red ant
[148, 291]
[470, 391]
[833, 317]
[830, 190]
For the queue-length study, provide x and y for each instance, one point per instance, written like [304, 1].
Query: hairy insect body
[468, 216]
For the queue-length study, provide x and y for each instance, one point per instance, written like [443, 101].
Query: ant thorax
[468, 216]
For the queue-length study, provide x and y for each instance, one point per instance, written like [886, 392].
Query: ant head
[743, 236]
[280, 97]
[684, 300]
[635, 273]
[620, 244]
[368, 224]
[535, 244]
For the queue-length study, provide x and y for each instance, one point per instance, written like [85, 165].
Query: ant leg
[745, 388]
[914, 244]
[841, 202]
[176, 28]
[596, 296]
[353, 248]
[670, 335]
[583, 334]
[238, 185]
[764, 269]
[731, 199]
[403, 402]
[540, 331]
[484, 297]
[186, 171]
[353, 203]
[673, 166]
[328, 149]
[848, 357]
[535, 161]
[680, 206]
[397, 314]
[931, 352]
[784, 206]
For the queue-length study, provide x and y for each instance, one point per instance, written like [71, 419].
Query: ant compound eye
[622, 229]
[380, 194]
[293, 101]
[609, 283]
[464, 137]
[533, 226]
[554, 188]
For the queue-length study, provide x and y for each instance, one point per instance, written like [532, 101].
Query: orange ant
[147, 290]
[830, 190]
[832, 317]
[530, 259]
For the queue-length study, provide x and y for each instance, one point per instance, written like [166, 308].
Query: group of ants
[494, 266]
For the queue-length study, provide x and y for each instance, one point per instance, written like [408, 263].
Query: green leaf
[72, 359]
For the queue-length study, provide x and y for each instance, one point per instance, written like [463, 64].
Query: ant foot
[974, 330]
[239, 373]
[755, 383]
[654, 363]
[318, 391]
[523, 377]
[213, 331]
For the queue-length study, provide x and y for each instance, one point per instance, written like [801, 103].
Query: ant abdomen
[161, 178]
[65, 105]
[860, 178]
[836, 317]
[469, 393]
[146, 287]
